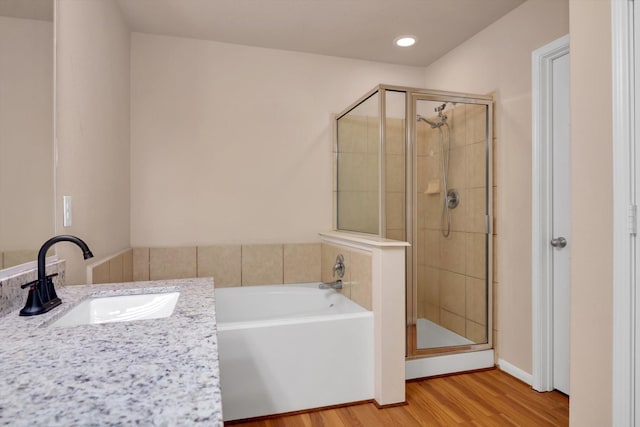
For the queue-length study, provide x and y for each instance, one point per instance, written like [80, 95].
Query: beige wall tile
[395, 211]
[352, 134]
[395, 172]
[116, 269]
[476, 309]
[396, 234]
[358, 211]
[476, 210]
[457, 125]
[457, 177]
[360, 280]
[475, 254]
[453, 322]
[140, 264]
[430, 211]
[100, 273]
[353, 171]
[431, 312]
[476, 332]
[452, 250]
[429, 169]
[395, 136]
[452, 292]
[432, 285]
[476, 165]
[172, 263]
[431, 248]
[262, 264]
[222, 262]
[127, 266]
[432, 137]
[373, 134]
[459, 214]
[476, 123]
[302, 263]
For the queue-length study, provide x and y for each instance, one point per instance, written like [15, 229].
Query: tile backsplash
[241, 265]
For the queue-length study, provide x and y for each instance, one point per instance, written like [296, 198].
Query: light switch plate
[66, 211]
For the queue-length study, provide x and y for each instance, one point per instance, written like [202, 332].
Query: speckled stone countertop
[160, 372]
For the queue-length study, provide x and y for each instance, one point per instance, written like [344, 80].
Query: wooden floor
[487, 398]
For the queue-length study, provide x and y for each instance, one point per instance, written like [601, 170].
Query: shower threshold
[432, 335]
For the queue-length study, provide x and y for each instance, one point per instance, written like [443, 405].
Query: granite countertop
[160, 372]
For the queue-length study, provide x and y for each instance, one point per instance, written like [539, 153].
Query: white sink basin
[120, 308]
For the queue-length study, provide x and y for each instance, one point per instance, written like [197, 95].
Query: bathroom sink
[119, 308]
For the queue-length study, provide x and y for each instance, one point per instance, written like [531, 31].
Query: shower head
[432, 123]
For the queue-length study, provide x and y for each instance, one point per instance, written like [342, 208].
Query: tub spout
[333, 285]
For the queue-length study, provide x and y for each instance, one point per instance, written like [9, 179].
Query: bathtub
[286, 348]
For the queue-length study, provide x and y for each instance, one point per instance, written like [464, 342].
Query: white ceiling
[361, 29]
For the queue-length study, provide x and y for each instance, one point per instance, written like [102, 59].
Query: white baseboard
[514, 371]
[448, 364]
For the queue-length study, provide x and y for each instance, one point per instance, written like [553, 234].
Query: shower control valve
[339, 267]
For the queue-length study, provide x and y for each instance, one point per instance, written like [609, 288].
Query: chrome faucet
[339, 269]
[42, 294]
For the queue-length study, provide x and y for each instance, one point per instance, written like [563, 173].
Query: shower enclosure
[415, 165]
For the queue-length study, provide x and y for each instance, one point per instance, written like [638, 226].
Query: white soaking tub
[286, 348]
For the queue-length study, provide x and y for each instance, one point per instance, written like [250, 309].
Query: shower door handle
[559, 242]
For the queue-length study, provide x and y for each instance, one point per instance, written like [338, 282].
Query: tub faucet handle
[339, 267]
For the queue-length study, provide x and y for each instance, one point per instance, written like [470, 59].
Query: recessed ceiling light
[405, 41]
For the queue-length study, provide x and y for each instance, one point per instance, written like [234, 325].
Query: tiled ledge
[360, 239]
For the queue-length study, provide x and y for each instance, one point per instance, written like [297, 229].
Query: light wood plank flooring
[486, 398]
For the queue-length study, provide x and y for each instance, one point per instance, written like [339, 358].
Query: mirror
[26, 129]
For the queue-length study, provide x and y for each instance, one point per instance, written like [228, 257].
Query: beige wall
[592, 215]
[232, 144]
[92, 127]
[26, 134]
[498, 59]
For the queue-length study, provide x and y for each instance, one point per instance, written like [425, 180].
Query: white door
[561, 223]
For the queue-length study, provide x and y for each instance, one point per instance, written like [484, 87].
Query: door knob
[559, 242]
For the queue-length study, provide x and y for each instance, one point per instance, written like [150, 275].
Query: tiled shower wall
[358, 165]
[242, 265]
[395, 179]
[451, 270]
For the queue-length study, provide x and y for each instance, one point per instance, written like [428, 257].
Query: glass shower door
[450, 227]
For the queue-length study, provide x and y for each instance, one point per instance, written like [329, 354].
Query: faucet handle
[26, 285]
